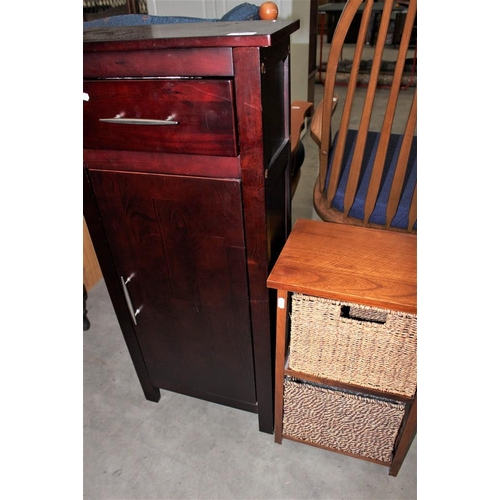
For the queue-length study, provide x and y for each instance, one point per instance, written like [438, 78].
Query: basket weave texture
[372, 348]
[342, 421]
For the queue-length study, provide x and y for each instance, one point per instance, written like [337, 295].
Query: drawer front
[207, 61]
[190, 116]
[341, 421]
[354, 344]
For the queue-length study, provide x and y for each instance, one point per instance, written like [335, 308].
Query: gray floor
[184, 448]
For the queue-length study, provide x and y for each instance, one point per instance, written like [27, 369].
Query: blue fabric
[242, 12]
[357, 211]
[141, 19]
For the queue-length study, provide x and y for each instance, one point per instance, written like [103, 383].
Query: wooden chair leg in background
[300, 111]
[86, 322]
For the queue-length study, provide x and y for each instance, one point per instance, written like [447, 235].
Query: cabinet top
[203, 34]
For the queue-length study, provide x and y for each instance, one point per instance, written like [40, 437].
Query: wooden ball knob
[268, 11]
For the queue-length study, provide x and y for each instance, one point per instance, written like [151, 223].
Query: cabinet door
[179, 244]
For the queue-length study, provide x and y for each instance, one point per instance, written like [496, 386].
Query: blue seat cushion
[140, 19]
[243, 12]
[357, 210]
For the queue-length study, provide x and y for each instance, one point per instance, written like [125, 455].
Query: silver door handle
[139, 121]
[133, 314]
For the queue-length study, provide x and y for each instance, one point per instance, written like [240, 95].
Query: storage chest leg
[281, 324]
[404, 444]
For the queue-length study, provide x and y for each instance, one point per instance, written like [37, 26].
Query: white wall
[287, 9]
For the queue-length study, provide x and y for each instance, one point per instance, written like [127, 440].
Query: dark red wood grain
[191, 35]
[187, 259]
[106, 263]
[163, 163]
[201, 240]
[203, 108]
[266, 205]
[209, 61]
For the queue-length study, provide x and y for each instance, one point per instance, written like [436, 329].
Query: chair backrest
[332, 172]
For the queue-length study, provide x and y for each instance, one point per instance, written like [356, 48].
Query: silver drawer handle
[133, 314]
[139, 121]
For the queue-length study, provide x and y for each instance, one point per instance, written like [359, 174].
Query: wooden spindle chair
[368, 173]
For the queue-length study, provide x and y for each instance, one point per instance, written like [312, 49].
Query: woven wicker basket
[366, 346]
[340, 420]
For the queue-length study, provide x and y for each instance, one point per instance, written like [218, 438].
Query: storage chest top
[374, 267]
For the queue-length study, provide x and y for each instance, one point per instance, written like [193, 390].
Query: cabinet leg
[404, 444]
[281, 324]
[265, 422]
[151, 393]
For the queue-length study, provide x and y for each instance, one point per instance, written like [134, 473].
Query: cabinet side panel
[275, 100]
[262, 145]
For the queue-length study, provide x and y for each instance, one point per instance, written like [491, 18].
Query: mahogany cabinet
[187, 198]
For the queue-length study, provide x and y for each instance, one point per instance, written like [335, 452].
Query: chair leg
[86, 322]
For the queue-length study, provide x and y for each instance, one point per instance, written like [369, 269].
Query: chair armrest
[317, 120]
[300, 109]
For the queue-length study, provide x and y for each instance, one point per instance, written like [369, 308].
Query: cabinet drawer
[192, 116]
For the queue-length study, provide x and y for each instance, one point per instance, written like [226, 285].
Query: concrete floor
[184, 448]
